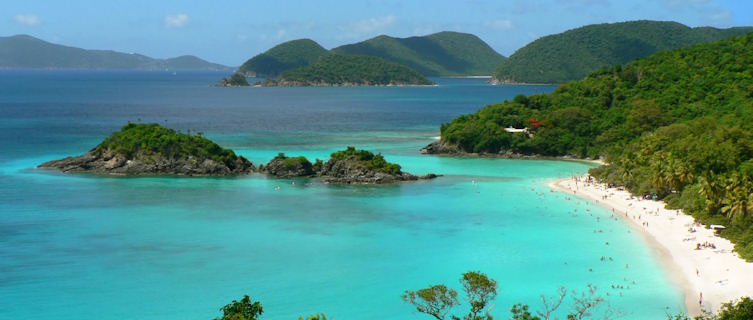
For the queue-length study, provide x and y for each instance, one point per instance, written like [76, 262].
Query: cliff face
[105, 161]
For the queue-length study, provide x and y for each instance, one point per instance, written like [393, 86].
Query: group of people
[706, 244]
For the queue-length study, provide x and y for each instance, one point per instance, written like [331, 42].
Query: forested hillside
[571, 55]
[285, 56]
[335, 70]
[439, 54]
[678, 124]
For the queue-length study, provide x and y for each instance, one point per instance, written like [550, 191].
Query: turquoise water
[91, 247]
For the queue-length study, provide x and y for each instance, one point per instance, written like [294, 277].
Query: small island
[151, 149]
[236, 80]
[349, 166]
[349, 70]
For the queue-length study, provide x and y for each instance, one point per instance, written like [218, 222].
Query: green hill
[351, 70]
[440, 54]
[285, 56]
[571, 55]
[27, 52]
[677, 124]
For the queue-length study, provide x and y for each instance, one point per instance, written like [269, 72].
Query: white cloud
[501, 24]
[27, 19]
[176, 20]
[368, 26]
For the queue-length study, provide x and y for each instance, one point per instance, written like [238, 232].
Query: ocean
[79, 246]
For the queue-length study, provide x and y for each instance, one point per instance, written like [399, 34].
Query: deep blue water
[91, 247]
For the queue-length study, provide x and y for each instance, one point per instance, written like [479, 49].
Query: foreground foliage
[247, 310]
[438, 300]
[241, 310]
[571, 55]
[336, 69]
[735, 310]
[678, 124]
[480, 290]
[136, 138]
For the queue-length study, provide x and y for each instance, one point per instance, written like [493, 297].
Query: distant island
[349, 70]
[285, 56]
[150, 149]
[349, 166]
[675, 125]
[571, 55]
[27, 52]
[439, 54]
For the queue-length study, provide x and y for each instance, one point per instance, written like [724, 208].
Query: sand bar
[718, 274]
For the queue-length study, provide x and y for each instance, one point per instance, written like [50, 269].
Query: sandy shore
[719, 275]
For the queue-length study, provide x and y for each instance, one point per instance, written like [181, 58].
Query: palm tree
[737, 200]
[711, 190]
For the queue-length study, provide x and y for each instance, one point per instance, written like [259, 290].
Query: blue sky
[231, 31]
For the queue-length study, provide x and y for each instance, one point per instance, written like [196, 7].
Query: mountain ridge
[572, 54]
[24, 51]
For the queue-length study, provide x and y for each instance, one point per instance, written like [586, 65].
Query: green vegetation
[438, 300]
[734, 310]
[678, 124]
[369, 159]
[571, 55]
[152, 138]
[285, 56]
[27, 52]
[293, 162]
[335, 69]
[247, 310]
[238, 80]
[440, 54]
[241, 310]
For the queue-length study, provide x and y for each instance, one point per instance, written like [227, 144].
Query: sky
[231, 31]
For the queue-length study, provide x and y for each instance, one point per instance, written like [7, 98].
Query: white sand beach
[717, 274]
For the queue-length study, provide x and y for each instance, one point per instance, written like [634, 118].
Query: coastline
[718, 274]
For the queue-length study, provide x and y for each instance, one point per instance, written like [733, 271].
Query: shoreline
[716, 273]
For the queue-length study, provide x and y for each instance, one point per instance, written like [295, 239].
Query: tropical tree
[480, 290]
[241, 310]
[436, 300]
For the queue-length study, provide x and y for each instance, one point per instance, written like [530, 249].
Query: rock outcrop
[352, 171]
[150, 149]
[109, 162]
[288, 167]
[441, 147]
[349, 166]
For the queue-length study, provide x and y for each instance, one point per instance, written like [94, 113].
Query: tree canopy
[440, 54]
[571, 55]
[335, 69]
[677, 124]
[153, 138]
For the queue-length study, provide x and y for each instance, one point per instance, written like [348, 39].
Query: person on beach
[700, 299]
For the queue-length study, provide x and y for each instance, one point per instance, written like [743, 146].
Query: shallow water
[84, 246]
